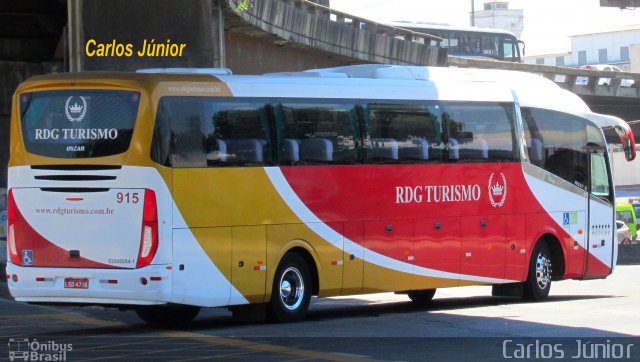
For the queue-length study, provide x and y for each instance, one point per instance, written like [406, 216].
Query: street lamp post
[473, 14]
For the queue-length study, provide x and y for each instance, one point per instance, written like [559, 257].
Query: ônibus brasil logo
[23, 349]
[75, 112]
[497, 190]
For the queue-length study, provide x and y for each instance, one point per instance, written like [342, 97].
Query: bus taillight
[149, 235]
[11, 233]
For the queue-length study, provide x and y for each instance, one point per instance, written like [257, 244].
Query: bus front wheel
[538, 282]
[291, 292]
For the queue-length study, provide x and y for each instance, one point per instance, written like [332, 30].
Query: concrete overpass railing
[302, 22]
[583, 82]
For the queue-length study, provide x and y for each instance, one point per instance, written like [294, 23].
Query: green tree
[243, 5]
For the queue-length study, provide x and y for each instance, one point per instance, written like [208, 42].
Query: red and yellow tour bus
[169, 190]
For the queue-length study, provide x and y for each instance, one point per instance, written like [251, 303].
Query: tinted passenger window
[201, 132]
[600, 185]
[237, 133]
[556, 142]
[396, 133]
[178, 139]
[317, 133]
[479, 133]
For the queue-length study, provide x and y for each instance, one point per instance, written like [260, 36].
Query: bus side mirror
[629, 151]
[628, 142]
[522, 46]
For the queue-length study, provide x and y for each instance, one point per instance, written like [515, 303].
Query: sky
[547, 23]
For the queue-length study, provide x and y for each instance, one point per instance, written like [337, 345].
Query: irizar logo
[75, 112]
[497, 190]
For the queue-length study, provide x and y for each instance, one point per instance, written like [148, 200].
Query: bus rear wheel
[168, 315]
[421, 297]
[538, 282]
[291, 292]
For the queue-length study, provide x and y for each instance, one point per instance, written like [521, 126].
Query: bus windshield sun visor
[78, 123]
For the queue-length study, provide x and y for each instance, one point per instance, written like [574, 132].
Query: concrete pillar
[196, 23]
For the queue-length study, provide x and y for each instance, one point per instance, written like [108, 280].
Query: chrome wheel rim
[291, 288]
[543, 271]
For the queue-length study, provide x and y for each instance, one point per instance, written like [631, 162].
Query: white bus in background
[472, 42]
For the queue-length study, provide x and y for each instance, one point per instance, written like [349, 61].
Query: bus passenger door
[600, 245]
[249, 261]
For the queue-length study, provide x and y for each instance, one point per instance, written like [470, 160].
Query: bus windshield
[79, 123]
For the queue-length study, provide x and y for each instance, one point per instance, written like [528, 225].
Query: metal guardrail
[578, 80]
[312, 17]
[301, 22]
[364, 24]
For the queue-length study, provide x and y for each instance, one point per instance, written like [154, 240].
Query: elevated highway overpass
[615, 93]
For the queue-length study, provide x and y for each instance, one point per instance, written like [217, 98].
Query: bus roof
[373, 81]
[532, 90]
[394, 82]
[104, 78]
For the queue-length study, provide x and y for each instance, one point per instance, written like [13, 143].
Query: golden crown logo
[76, 108]
[75, 112]
[497, 191]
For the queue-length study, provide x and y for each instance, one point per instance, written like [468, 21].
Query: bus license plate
[76, 283]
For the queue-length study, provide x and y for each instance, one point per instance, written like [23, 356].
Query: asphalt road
[462, 324]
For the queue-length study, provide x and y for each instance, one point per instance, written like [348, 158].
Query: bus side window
[480, 132]
[401, 133]
[316, 133]
[559, 139]
[161, 142]
[508, 50]
[237, 132]
[186, 138]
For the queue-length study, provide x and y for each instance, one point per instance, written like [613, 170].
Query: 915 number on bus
[127, 197]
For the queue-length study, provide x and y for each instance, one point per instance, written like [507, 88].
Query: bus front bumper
[146, 286]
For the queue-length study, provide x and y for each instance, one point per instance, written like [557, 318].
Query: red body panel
[490, 233]
[438, 243]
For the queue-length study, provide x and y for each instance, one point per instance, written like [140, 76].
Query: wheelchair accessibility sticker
[27, 257]
[569, 218]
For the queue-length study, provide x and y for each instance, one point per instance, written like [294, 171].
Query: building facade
[614, 46]
[497, 15]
